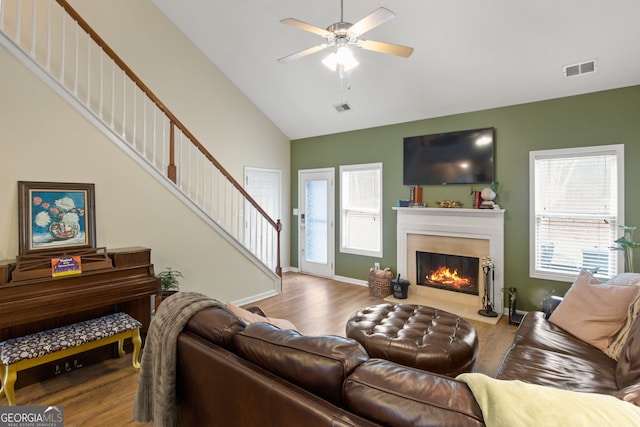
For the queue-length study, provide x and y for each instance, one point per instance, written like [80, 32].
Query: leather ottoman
[418, 336]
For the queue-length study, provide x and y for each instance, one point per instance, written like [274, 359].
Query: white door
[316, 201]
[263, 185]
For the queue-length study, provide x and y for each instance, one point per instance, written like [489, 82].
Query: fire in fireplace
[450, 272]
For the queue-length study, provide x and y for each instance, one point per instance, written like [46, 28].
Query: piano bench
[25, 352]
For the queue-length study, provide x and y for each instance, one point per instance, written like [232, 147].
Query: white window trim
[344, 249]
[618, 151]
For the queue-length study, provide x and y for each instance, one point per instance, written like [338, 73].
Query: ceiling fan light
[331, 61]
[346, 58]
[341, 60]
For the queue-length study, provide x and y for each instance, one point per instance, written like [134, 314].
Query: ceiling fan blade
[372, 20]
[306, 27]
[302, 53]
[389, 48]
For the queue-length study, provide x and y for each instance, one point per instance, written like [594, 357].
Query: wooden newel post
[278, 266]
[172, 173]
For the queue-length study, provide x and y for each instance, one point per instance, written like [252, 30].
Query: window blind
[361, 209]
[576, 212]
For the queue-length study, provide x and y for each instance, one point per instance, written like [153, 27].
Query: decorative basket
[380, 282]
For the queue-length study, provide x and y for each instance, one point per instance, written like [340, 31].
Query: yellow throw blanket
[515, 403]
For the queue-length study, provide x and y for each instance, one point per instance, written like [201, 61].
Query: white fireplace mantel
[484, 224]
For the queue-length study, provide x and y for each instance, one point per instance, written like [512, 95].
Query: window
[361, 209]
[577, 204]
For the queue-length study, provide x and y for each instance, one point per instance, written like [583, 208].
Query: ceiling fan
[344, 34]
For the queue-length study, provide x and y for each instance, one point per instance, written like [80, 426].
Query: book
[477, 199]
[65, 266]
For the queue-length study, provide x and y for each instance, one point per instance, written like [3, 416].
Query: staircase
[54, 42]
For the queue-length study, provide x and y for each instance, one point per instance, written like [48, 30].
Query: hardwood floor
[320, 306]
[96, 395]
[102, 394]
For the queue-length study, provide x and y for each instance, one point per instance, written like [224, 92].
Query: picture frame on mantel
[54, 216]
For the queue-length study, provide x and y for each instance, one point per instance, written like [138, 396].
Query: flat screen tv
[461, 157]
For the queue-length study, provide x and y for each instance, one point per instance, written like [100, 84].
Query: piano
[31, 300]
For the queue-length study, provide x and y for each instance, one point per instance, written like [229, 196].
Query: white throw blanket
[156, 395]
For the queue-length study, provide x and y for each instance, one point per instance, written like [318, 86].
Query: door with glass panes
[316, 201]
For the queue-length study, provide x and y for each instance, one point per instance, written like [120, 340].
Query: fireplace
[449, 272]
[467, 233]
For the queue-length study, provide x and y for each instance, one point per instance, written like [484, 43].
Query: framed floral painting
[55, 216]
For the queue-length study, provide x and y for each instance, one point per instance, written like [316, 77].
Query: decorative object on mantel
[380, 282]
[449, 204]
[487, 195]
[476, 199]
[415, 195]
[627, 245]
[408, 204]
[487, 306]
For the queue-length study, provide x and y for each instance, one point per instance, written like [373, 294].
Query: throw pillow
[594, 311]
[620, 339]
[250, 317]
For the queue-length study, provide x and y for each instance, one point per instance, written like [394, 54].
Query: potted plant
[169, 284]
[627, 245]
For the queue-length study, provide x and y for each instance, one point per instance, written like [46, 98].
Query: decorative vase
[63, 231]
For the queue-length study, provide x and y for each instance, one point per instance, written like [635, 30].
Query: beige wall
[132, 209]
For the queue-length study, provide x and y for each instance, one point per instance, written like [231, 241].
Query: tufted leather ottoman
[414, 335]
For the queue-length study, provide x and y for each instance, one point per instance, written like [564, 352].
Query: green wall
[601, 118]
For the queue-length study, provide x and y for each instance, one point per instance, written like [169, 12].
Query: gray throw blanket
[156, 395]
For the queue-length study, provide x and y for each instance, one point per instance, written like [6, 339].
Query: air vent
[581, 68]
[342, 107]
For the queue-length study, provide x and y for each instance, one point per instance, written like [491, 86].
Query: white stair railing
[61, 43]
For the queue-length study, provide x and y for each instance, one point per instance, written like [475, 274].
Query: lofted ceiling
[469, 55]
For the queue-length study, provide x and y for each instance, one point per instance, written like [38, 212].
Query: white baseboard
[351, 280]
[338, 278]
[254, 298]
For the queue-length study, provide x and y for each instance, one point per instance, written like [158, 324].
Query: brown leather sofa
[543, 353]
[233, 374]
